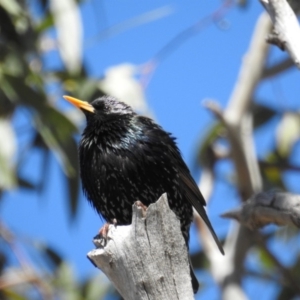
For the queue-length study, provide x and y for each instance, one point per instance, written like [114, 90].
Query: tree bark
[286, 30]
[147, 259]
[268, 208]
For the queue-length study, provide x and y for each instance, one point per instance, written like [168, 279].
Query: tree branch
[266, 208]
[280, 67]
[26, 273]
[237, 120]
[286, 33]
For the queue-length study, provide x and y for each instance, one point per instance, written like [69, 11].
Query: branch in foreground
[267, 208]
[286, 33]
[147, 259]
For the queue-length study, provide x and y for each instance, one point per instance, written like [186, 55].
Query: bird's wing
[167, 147]
[192, 191]
[194, 196]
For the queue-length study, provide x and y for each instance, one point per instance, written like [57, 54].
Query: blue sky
[204, 66]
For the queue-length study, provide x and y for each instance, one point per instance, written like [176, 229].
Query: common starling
[125, 157]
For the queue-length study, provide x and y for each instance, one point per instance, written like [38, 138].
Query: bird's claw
[103, 233]
[101, 237]
[142, 206]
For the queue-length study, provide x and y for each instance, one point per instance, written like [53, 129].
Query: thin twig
[278, 68]
[28, 273]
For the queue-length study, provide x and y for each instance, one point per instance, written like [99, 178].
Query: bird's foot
[103, 232]
[142, 206]
[102, 235]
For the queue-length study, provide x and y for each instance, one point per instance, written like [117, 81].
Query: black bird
[125, 157]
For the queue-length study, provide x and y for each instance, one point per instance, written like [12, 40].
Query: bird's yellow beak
[80, 104]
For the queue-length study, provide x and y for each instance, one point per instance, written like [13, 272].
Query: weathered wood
[147, 259]
[286, 30]
[266, 208]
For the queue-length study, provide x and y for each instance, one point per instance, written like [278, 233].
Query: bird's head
[102, 109]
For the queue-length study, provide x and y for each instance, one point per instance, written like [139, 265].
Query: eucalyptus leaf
[262, 114]
[95, 287]
[7, 155]
[264, 258]
[12, 295]
[288, 133]
[24, 183]
[65, 281]
[57, 136]
[54, 258]
[12, 6]
[55, 128]
[69, 31]
[19, 92]
[13, 64]
[46, 23]
[272, 171]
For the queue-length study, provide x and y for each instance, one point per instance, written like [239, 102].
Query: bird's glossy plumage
[125, 157]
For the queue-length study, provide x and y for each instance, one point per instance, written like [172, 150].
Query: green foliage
[24, 89]
[23, 86]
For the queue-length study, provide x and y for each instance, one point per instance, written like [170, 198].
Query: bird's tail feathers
[208, 224]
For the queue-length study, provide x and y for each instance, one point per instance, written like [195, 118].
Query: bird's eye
[99, 105]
